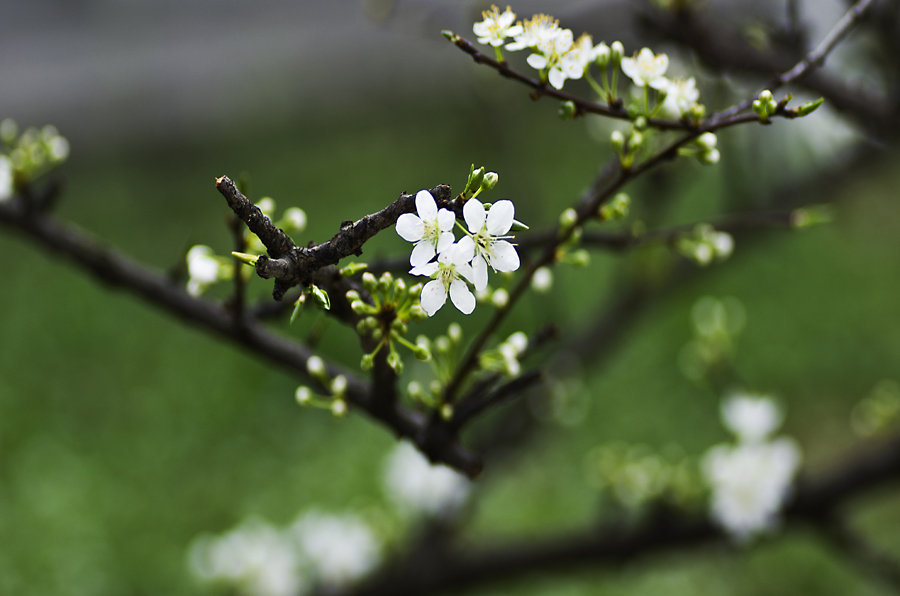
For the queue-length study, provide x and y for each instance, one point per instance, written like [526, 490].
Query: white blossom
[430, 230]
[681, 95]
[647, 69]
[449, 270]
[6, 179]
[203, 269]
[295, 218]
[418, 486]
[255, 559]
[542, 280]
[538, 29]
[489, 231]
[549, 56]
[750, 481]
[751, 418]
[340, 549]
[496, 27]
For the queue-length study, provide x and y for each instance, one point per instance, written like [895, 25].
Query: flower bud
[567, 110]
[617, 52]
[710, 157]
[295, 218]
[315, 366]
[568, 218]
[447, 411]
[617, 140]
[352, 269]
[370, 282]
[707, 141]
[367, 362]
[542, 280]
[602, 54]
[395, 362]
[422, 353]
[339, 408]
[500, 298]
[490, 181]
[303, 395]
[454, 332]
[339, 385]
[352, 295]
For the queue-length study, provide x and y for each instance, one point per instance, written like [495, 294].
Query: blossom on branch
[647, 69]
[449, 271]
[496, 27]
[488, 231]
[430, 230]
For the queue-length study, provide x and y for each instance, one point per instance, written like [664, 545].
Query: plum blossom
[496, 27]
[751, 479]
[430, 229]
[538, 29]
[751, 417]
[579, 57]
[549, 56]
[416, 485]
[681, 94]
[340, 549]
[254, 558]
[449, 270]
[488, 234]
[203, 269]
[647, 69]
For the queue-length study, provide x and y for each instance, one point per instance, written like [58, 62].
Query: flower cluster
[453, 264]
[560, 56]
[751, 478]
[704, 243]
[259, 559]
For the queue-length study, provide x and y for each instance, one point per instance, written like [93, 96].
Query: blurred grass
[123, 433]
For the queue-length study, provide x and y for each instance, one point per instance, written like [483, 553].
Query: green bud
[580, 258]
[709, 158]
[500, 298]
[422, 353]
[567, 110]
[490, 181]
[370, 282]
[339, 408]
[706, 141]
[399, 326]
[303, 395]
[568, 218]
[447, 411]
[635, 140]
[442, 344]
[617, 140]
[367, 362]
[476, 177]
[696, 112]
[298, 306]
[395, 362]
[315, 366]
[339, 385]
[352, 269]
[617, 52]
[640, 123]
[809, 107]
[616, 208]
[361, 308]
[603, 55]
[765, 96]
[245, 258]
[320, 296]
[450, 35]
[454, 332]
[417, 313]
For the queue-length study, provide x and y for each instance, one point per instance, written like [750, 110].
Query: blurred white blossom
[203, 269]
[6, 178]
[418, 486]
[647, 69]
[254, 559]
[337, 549]
[751, 479]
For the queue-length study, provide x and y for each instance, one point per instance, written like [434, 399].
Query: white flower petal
[425, 205]
[537, 61]
[446, 219]
[434, 295]
[462, 298]
[473, 212]
[500, 217]
[410, 227]
[463, 251]
[557, 78]
[445, 241]
[479, 273]
[428, 269]
[504, 256]
[422, 252]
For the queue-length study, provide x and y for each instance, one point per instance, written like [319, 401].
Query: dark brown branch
[293, 265]
[603, 546]
[119, 271]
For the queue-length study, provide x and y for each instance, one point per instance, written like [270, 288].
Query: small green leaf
[298, 306]
[321, 296]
